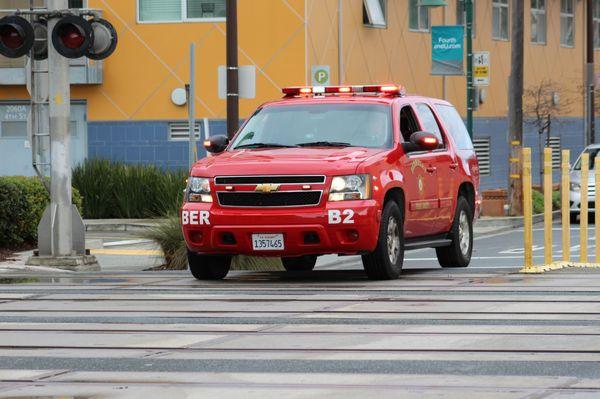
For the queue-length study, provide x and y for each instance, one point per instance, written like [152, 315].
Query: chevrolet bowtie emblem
[267, 188]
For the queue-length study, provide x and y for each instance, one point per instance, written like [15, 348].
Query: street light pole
[590, 111]
[233, 110]
[469, 34]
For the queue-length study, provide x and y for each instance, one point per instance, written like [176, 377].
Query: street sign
[447, 50]
[321, 75]
[481, 68]
[246, 81]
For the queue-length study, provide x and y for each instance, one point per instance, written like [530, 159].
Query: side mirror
[424, 141]
[216, 144]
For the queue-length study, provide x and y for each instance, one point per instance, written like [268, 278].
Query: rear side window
[429, 123]
[455, 126]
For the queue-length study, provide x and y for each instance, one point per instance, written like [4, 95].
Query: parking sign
[321, 75]
[481, 68]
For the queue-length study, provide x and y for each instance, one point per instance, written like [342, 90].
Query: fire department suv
[355, 170]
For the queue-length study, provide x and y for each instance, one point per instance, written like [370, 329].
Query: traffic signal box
[73, 37]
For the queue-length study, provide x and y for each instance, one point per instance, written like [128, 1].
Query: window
[180, 10]
[538, 21]
[429, 123]
[554, 143]
[76, 4]
[408, 124]
[482, 150]
[418, 17]
[461, 15]
[14, 129]
[596, 24]
[455, 126]
[375, 13]
[500, 19]
[567, 23]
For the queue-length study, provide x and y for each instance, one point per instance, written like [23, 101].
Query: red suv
[352, 170]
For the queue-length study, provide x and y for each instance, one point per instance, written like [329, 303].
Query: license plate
[267, 242]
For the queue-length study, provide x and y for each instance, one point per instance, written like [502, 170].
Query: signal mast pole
[60, 144]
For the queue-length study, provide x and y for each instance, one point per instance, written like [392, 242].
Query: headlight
[575, 187]
[199, 189]
[351, 187]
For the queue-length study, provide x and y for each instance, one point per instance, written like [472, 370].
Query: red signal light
[11, 37]
[71, 36]
[16, 36]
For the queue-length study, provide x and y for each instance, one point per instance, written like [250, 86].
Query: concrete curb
[510, 222]
[108, 225]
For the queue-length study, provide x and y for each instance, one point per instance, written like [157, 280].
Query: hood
[274, 161]
[575, 177]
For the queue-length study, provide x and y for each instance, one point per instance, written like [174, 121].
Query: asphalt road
[474, 333]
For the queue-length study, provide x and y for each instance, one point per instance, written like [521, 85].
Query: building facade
[123, 107]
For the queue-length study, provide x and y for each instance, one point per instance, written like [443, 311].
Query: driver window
[429, 123]
[408, 123]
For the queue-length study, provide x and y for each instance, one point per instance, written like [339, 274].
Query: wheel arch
[467, 190]
[395, 194]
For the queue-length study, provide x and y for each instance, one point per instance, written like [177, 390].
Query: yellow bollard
[547, 206]
[583, 208]
[597, 207]
[527, 209]
[565, 206]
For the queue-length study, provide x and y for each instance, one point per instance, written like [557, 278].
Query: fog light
[353, 235]
[196, 236]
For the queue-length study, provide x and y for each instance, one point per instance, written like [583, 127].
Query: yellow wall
[398, 55]
[152, 59]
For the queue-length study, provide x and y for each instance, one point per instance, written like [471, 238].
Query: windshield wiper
[263, 145]
[325, 144]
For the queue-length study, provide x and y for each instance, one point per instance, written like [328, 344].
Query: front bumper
[575, 201]
[211, 229]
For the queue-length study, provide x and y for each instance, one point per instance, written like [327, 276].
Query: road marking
[132, 252]
[126, 242]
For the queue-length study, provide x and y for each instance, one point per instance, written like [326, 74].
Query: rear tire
[208, 267]
[458, 253]
[385, 263]
[299, 263]
[573, 218]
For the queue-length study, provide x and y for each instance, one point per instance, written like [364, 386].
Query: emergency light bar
[390, 90]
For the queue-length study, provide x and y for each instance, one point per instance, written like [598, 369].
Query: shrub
[538, 201]
[22, 203]
[117, 190]
[168, 236]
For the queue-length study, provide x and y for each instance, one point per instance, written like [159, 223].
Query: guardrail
[549, 263]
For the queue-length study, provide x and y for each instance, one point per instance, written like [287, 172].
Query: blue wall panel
[148, 143]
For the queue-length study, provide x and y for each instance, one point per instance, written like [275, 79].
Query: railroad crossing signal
[73, 36]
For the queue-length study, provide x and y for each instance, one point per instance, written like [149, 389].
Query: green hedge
[22, 203]
[116, 190]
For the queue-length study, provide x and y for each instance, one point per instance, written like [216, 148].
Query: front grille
[292, 179]
[284, 198]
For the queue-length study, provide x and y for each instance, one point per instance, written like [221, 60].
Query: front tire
[385, 263]
[458, 253]
[208, 267]
[299, 263]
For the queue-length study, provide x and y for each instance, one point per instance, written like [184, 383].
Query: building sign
[481, 68]
[321, 75]
[447, 50]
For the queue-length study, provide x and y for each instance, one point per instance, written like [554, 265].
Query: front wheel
[208, 267]
[458, 253]
[299, 263]
[385, 263]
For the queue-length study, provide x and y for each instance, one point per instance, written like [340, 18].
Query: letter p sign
[320, 75]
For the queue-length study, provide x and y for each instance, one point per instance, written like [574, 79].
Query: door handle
[431, 169]
[453, 166]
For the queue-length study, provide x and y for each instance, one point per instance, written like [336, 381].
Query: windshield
[336, 125]
[593, 154]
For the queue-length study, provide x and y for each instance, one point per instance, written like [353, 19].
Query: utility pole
[233, 110]
[191, 97]
[515, 110]
[589, 98]
[470, 96]
[341, 77]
